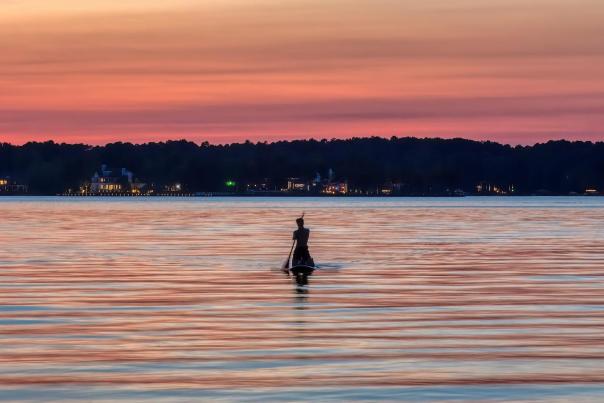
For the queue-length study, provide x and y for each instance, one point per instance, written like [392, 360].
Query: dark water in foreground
[491, 299]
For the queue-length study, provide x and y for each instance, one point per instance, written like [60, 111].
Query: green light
[230, 184]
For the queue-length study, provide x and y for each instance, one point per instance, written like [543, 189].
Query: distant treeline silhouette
[422, 166]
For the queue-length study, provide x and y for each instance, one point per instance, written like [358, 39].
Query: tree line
[422, 166]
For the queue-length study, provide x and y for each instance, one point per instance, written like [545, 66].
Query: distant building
[493, 189]
[266, 185]
[335, 188]
[109, 180]
[11, 187]
[483, 187]
[318, 185]
[331, 175]
[297, 185]
[390, 188]
[173, 188]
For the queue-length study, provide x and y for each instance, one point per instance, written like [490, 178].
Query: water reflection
[424, 299]
[302, 291]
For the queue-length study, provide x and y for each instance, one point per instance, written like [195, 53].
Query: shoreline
[285, 196]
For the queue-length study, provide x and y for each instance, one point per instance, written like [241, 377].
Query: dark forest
[419, 166]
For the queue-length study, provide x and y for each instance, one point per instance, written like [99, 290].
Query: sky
[512, 71]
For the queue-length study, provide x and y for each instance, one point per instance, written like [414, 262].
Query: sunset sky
[93, 71]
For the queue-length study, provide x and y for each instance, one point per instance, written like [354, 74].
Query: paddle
[286, 263]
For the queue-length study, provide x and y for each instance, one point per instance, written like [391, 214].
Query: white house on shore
[109, 180]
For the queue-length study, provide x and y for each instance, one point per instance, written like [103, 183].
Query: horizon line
[324, 139]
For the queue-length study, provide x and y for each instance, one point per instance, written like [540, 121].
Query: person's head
[300, 222]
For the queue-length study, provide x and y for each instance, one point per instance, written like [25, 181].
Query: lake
[423, 299]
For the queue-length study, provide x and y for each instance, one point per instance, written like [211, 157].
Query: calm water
[473, 299]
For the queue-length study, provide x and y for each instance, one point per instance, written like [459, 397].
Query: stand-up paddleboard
[302, 270]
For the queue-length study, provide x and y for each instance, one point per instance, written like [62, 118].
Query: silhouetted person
[301, 254]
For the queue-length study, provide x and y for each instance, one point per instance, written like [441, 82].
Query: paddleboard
[302, 270]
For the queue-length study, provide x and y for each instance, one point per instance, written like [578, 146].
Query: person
[301, 253]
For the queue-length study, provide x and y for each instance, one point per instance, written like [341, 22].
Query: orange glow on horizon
[227, 70]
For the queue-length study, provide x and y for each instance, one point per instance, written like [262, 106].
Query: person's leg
[297, 257]
[306, 257]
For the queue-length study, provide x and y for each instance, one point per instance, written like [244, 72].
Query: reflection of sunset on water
[127, 299]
